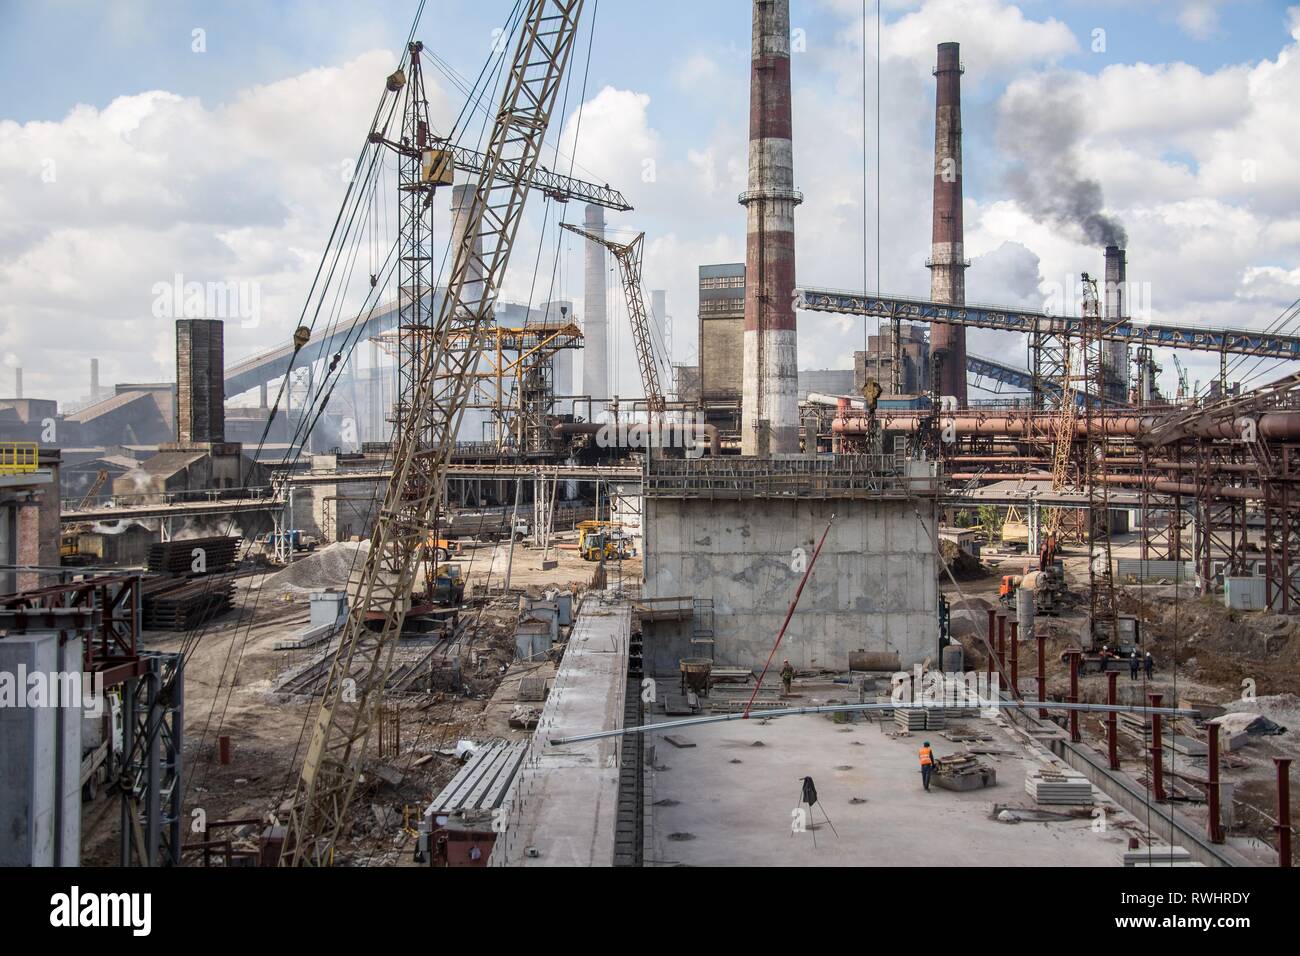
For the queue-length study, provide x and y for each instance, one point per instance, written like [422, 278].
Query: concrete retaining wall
[874, 587]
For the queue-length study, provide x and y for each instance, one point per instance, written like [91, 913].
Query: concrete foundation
[874, 586]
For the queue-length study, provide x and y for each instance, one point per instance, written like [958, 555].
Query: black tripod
[808, 795]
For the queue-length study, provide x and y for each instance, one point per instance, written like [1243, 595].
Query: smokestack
[595, 372]
[94, 380]
[1115, 354]
[462, 199]
[770, 386]
[200, 381]
[948, 254]
[18, 381]
[659, 303]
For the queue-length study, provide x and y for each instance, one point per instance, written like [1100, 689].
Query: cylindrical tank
[1025, 608]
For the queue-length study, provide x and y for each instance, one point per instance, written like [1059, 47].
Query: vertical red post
[1074, 696]
[1015, 658]
[1112, 722]
[223, 749]
[1042, 673]
[1157, 753]
[1212, 789]
[1002, 641]
[1283, 811]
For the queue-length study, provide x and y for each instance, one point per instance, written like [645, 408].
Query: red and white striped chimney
[770, 386]
[948, 255]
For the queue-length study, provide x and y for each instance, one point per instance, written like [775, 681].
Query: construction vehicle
[1015, 530]
[448, 585]
[600, 539]
[433, 403]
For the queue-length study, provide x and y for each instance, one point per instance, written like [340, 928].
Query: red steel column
[1112, 722]
[947, 256]
[1157, 753]
[1002, 641]
[770, 386]
[1212, 789]
[1074, 696]
[1283, 811]
[1042, 673]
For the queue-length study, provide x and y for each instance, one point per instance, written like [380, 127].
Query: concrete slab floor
[729, 801]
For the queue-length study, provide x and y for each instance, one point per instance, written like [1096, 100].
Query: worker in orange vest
[927, 764]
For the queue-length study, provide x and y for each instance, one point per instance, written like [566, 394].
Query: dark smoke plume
[1042, 124]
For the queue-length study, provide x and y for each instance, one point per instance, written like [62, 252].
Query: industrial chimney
[200, 382]
[595, 371]
[948, 256]
[1115, 354]
[770, 385]
[462, 199]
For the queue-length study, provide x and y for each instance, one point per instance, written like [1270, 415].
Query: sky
[149, 144]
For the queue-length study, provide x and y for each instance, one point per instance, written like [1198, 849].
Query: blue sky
[668, 81]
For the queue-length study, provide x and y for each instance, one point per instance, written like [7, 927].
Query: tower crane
[629, 256]
[426, 433]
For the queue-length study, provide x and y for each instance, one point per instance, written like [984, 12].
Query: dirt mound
[964, 567]
[329, 567]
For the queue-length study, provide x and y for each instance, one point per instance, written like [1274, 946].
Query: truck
[486, 525]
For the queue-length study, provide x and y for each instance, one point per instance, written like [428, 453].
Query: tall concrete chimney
[94, 380]
[948, 254]
[462, 198]
[1115, 354]
[595, 324]
[770, 384]
[200, 381]
[18, 381]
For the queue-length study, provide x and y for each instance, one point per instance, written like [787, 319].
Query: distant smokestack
[462, 199]
[1115, 354]
[94, 379]
[948, 254]
[200, 381]
[659, 303]
[770, 385]
[595, 371]
[18, 381]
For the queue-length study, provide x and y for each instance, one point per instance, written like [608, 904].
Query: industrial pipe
[1153, 484]
[1270, 426]
[855, 709]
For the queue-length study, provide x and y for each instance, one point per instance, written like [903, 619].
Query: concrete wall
[874, 586]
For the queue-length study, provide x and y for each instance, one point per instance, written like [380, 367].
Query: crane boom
[427, 436]
[629, 256]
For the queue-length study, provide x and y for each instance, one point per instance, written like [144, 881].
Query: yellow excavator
[596, 539]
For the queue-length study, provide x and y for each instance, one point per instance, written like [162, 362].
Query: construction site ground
[1206, 657]
[231, 679]
[732, 799]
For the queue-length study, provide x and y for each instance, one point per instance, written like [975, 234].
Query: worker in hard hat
[1148, 664]
[787, 675]
[927, 764]
[1133, 664]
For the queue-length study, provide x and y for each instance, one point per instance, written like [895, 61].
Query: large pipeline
[1244, 493]
[1270, 426]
